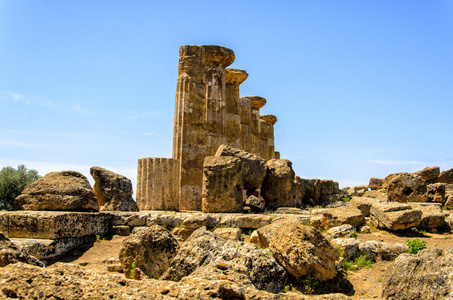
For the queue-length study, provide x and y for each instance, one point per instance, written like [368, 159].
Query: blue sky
[360, 88]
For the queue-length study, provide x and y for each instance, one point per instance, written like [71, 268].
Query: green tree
[12, 183]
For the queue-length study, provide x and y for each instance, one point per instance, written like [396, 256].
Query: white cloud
[15, 98]
[13, 143]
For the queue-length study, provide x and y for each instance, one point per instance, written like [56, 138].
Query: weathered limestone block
[113, 191]
[432, 216]
[11, 253]
[449, 195]
[348, 247]
[150, 249]
[299, 184]
[250, 221]
[426, 275]
[375, 183]
[52, 225]
[395, 216]
[200, 115]
[312, 188]
[380, 195]
[203, 248]
[46, 249]
[253, 167]
[229, 233]
[300, 249]
[407, 188]
[446, 177]
[278, 186]
[59, 191]
[222, 184]
[363, 204]
[158, 184]
[342, 215]
[128, 218]
[436, 193]
[343, 231]
[255, 203]
[386, 251]
[428, 174]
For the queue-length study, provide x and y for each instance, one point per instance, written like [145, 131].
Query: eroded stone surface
[113, 191]
[203, 248]
[426, 275]
[150, 249]
[395, 216]
[222, 184]
[59, 191]
[300, 249]
[278, 186]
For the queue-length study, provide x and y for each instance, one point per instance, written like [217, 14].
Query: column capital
[235, 76]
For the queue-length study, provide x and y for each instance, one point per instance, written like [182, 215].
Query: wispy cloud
[12, 143]
[75, 106]
[15, 98]
[400, 162]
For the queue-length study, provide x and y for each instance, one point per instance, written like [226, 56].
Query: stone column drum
[200, 115]
[233, 78]
[267, 135]
[256, 103]
[245, 112]
[158, 184]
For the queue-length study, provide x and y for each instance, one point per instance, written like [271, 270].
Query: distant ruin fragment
[209, 112]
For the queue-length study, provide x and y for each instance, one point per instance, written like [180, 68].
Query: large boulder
[407, 188]
[10, 254]
[312, 188]
[300, 249]
[446, 177]
[436, 193]
[65, 190]
[278, 186]
[222, 189]
[151, 249]
[253, 167]
[203, 248]
[342, 215]
[395, 216]
[432, 216]
[375, 183]
[426, 275]
[449, 196]
[428, 174]
[113, 191]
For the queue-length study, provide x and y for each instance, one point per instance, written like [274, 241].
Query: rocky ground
[366, 283]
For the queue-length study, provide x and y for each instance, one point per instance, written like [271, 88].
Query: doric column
[256, 103]
[199, 115]
[158, 184]
[267, 135]
[246, 119]
[233, 77]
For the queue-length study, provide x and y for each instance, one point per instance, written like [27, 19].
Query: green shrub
[346, 199]
[132, 272]
[359, 262]
[415, 246]
[12, 183]
[310, 284]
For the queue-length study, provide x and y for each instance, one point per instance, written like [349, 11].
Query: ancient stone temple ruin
[209, 112]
